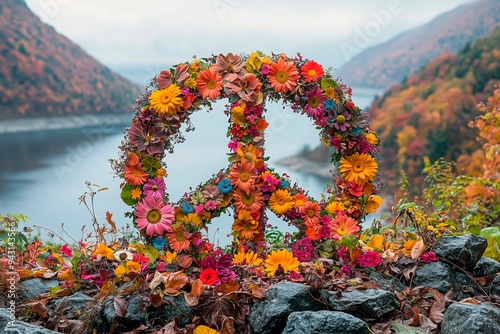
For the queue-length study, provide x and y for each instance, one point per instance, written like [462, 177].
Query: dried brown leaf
[227, 287]
[216, 309]
[109, 219]
[38, 308]
[227, 326]
[470, 301]
[427, 324]
[156, 299]
[70, 326]
[258, 292]
[418, 248]
[409, 272]
[120, 306]
[174, 282]
[157, 280]
[170, 328]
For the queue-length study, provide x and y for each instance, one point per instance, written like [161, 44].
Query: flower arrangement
[248, 185]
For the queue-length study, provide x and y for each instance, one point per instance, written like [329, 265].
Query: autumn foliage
[427, 115]
[45, 74]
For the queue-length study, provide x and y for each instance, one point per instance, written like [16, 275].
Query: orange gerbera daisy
[281, 260]
[334, 206]
[283, 76]
[311, 211]
[247, 258]
[373, 203]
[250, 153]
[343, 225]
[245, 225]
[135, 175]
[192, 219]
[166, 101]
[242, 176]
[359, 168]
[253, 201]
[209, 84]
[178, 238]
[312, 71]
[300, 200]
[281, 201]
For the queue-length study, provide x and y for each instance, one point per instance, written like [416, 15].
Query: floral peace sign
[247, 185]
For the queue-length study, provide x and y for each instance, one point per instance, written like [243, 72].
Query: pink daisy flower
[154, 216]
[315, 103]
[155, 187]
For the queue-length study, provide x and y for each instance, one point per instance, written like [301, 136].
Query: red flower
[66, 250]
[209, 276]
[350, 105]
[369, 259]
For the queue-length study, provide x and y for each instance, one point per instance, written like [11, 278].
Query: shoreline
[63, 122]
[301, 164]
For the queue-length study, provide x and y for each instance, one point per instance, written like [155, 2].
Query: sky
[139, 39]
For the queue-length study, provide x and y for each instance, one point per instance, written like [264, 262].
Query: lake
[43, 173]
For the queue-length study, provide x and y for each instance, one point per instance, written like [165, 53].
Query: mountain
[428, 114]
[45, 74]
[390, 62]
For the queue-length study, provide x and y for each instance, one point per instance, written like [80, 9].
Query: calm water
[43, 173]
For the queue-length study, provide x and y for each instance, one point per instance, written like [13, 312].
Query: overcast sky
[149, 35]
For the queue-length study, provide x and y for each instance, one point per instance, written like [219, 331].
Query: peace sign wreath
[247, 185]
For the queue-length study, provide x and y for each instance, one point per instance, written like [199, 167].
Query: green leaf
[127, 196]
[404, 329]
[151, 252]
[328, 82]
[3, 235]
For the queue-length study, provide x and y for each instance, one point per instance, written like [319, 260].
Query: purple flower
[154, 188]
[222, 265]
[149, 140]
[341, 120]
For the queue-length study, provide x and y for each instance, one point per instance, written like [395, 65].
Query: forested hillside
[428, 114]
[45, 74]
[388, 63]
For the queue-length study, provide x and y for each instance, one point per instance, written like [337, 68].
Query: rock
[320, 322]
[385, 282]
[495, 286]
[133, 318]
[29, 289]
[463, 250]
[172, 307]
[463, 286]
[75, 302]
[269, 315]
[19, 327]
[471, 318]
[436, 275]
[486, 267]
[369, 303]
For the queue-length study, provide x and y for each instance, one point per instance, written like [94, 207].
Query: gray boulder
[486, 267]
[385, 282]
[29, 289]
[321, 322]
[73, 303]
[270, 314]
[471, 318]
[436, 275]
[369, 303]
[18, 327]
[463, 250]
[494, 288]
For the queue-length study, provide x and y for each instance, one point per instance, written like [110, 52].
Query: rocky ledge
[460, 293]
